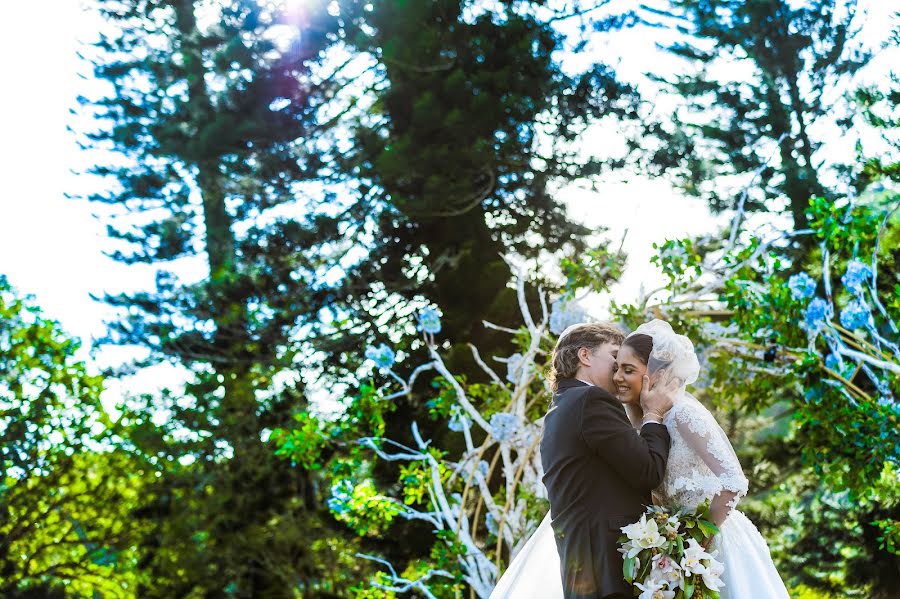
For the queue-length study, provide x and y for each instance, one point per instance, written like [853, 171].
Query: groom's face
[597, 366]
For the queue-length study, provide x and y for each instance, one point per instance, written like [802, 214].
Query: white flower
[666, 569]
[634, 530]
[629, 549]
[654, 589]
[673, 524]
[694, 554]
[644, 533]
[713, 573]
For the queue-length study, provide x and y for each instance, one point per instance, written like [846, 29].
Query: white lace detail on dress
[702, 462]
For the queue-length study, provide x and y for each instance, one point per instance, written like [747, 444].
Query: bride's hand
[657, 398]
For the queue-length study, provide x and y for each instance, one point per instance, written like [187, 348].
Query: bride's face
[628, 377]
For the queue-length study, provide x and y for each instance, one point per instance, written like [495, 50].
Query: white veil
[672, 357]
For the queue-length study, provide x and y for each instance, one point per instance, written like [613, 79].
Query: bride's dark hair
[641, 344]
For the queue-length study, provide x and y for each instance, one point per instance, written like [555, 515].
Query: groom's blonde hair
[564, 362]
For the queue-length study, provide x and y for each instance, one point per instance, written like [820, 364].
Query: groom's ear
[584, 356]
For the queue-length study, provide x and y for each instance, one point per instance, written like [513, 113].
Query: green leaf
[628, 569]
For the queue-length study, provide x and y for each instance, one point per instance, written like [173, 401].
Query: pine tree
[767, 72]
[214, 111]
[474, 124]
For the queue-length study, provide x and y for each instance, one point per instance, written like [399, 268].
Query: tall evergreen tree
[767, 72]
[214, 111]
[475, 121]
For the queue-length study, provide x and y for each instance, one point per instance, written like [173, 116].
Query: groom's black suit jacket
[599, 473]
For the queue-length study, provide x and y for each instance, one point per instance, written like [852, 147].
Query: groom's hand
[656, 401]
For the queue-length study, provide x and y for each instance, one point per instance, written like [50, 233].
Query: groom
[598, 471]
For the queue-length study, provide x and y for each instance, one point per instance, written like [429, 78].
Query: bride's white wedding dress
[701, 465]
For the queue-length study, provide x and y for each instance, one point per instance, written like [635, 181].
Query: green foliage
[593, 269]
[368, 512]
[304, 442]
[848, 437]
[64, 494]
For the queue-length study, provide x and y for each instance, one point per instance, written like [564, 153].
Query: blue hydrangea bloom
[484, 468]
[816, 313]
[514, 368]
[857, 274]
[855, 316]
[802, 286]
[429, 321]
[839, 365]
[383, 356]
[457, 421]
[341, 494]
[504, 425]
[565, 314]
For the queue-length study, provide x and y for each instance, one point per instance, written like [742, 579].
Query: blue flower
[504, 425]
[802, 286]
[429, 321]
[383, 356]
[514, 368]
[457, 421]
[857, 274]
[855, 316]
[837, 364]
[565, 314]
[341, 494]
[816, 313]
[484, 468]
[834, 362]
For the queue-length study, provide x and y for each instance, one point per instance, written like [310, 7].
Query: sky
[52, 247]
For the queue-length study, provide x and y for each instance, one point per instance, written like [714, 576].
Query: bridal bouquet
[665, 558]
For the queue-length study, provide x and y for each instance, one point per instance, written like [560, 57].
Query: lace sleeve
[705, 437]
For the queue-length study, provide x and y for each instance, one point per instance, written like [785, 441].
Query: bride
[702, 466]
